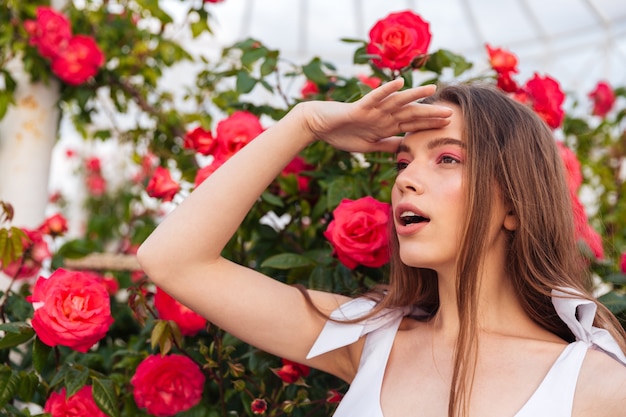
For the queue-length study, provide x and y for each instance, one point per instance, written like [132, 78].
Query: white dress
[553, 398]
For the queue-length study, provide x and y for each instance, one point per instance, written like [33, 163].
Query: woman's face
[428, 197]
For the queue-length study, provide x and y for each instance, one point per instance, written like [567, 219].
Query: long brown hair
[510, 146]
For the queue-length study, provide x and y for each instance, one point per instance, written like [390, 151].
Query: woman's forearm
[196, 232]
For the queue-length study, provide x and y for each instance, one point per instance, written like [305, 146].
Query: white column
[27, 135]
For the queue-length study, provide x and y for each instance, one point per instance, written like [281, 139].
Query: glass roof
[578, 42]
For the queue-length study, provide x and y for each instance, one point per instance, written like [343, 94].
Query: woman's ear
[510, 221]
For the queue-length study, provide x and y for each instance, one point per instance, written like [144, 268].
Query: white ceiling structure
[578, 42]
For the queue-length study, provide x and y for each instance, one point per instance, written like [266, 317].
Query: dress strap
[578, 314]
[336, 334]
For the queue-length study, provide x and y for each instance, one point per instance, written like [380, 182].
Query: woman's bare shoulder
[601, 389]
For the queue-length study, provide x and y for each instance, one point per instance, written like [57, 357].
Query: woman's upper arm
[259, 310]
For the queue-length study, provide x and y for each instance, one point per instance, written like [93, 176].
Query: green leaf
[9, 385]
[28, 385]
[445, 59]
[287, 261]
[314, 72]
[272, 199]
[105, 397]
[41, 352]
[76, 379]
[616, 278]
[340, 188]
[250, 56]
[615, 302]
[12, 339]
[269, 65]
[245, 83]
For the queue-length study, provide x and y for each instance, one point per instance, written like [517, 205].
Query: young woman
[486, 313]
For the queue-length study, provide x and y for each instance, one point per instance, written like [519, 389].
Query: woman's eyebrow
[432, 144]
[435, 143]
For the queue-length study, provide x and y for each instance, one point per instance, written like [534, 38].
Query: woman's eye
[447, 159]
[400, 165]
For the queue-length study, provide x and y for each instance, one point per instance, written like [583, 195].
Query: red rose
[309, 89]
[167, 385]
[398, 39]
[295, 167]
[573, 171]
[55, 225]
[502, 61]
[333, 396]
[200, 140]
[36, 251]
[359, 233]
[188, 321]
[161, 185]
[71, 309]
[603, 99]
[291, 371]
[206, 171]
[372, 82]
[79, 61]
[506, 83]
[546, 98]
[583, 229]
[50, 33]
[258, 406]
[96, 184]
[622, 263]
[236, 131]
[80, 404]
[93, 165]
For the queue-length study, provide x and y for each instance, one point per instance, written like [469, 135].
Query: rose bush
[132, 349]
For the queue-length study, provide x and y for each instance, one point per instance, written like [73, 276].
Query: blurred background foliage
[129, 103]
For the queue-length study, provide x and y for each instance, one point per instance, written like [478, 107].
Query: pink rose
[80, 404]
[55, 225]
[501, 60]
[200, 140]
[359, 232]
[167, 385]
[188, 321]
[79, 61]
[96, 184]
[71, 309]
[235, 132]
[398, 39]
[622, 263]
[50, 33]
[161, 185]
[573, 172]
[603, 99]
[546, 98]
[36, 251]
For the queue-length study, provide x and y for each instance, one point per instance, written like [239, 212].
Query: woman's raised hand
[372, 123]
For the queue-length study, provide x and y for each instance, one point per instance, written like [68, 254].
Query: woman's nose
[409, 180]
